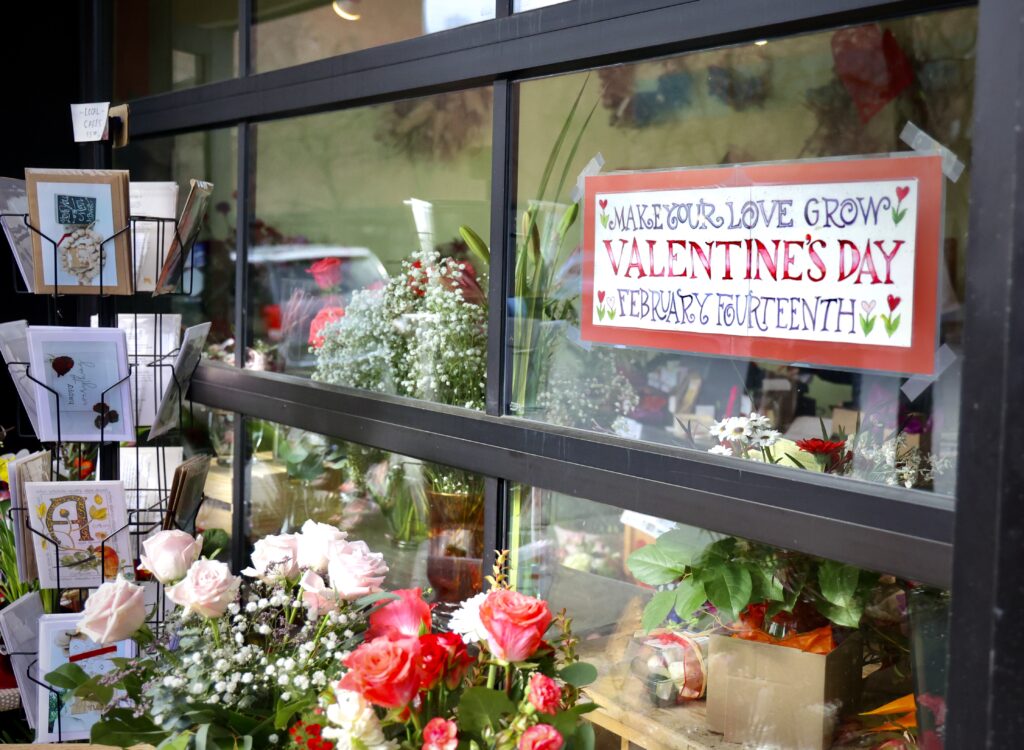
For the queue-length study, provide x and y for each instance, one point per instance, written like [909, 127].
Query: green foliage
[482, 708]
[579, 674]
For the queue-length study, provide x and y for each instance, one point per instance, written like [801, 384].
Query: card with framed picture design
[87, 370]
[87, 522]
[82, 211]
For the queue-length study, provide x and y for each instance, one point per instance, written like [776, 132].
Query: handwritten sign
[831, 263]
[75, 209]
[89, 121]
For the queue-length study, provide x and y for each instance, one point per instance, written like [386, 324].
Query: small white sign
[90, 121]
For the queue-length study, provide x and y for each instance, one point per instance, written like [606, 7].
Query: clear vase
[455, 557]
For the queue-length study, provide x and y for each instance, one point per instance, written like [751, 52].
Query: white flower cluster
[737, 435]
[465, 621]
[353, 724]
[589, 393]
[419, 336]
[894, 461]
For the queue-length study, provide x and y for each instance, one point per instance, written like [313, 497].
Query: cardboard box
[777, 697]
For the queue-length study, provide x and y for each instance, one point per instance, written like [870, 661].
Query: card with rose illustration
[87, 372]
[79, 526]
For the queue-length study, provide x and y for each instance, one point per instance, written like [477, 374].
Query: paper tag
[90, 121]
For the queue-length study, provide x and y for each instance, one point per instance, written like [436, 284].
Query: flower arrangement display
[494, 683]
[239, 660]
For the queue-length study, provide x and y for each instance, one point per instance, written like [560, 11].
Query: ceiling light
[346, 9]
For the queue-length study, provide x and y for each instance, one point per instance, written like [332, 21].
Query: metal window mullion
[244, 37]
[240, 464]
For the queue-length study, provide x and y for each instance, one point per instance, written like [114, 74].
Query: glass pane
[427, 518]
[518, 6]
[208, 284]
[211, 431]
[845, 94]
[288, 33]
[163, 45]
[358, 273]
[702, 640]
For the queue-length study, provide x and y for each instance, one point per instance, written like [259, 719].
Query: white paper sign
[90, 121]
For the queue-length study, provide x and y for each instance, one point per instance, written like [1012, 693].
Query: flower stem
[492, 673]
[216, 631]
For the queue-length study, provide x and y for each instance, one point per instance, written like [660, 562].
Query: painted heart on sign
[600, 297]
[894, 302]
[868, 306]
[604, 204]
[902, 192]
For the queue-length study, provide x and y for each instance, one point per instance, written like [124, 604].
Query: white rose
[315, 544]
[274, 558]
[354, 724]
[208, 588]
[354, 571]
[169, 554]
[115, 611]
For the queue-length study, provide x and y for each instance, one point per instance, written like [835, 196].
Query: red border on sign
[918, 358]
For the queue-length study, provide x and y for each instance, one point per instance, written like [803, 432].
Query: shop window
[207, 290]
[359, 275]
[829, 101]
[164, 46]
[287, 33]
[426, 517]
[700, 637]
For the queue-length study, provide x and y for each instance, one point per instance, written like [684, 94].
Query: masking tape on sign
[923, 143]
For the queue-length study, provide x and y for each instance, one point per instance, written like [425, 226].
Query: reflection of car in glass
[293, 294]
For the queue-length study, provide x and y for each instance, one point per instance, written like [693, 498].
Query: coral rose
[545, 694]
[320, 321]
[515, 624]
[208, 588]
[541, 737]
[407, 616]
[384, 671]
[326, 272]
[440, 734]
[113, 612]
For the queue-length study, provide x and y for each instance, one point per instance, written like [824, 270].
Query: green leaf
[121, 728]
[600, 312]
[95, 691]
[481, 707]
[847, 616]
[67, 677]
[476, 246]
[604, 220]
[202, 736]
[838, 582]
[580, 674]
[657, 610]
[374, 598]
[654, 566]
[730, 589]
[583, 739]
[611, 313]
[568, 219]
[176, 742]
[867, 324]
[891, 325]
[689, 597]
[285, 711]
[566, 721]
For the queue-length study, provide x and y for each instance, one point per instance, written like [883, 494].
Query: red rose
[384, 671]
[541, 737]
[440, 734]
[325, 316]
[326, 273]
[407, 616]
[433, 660]
[459, 659]
[821, 447]
[515, 624]
[545, 695]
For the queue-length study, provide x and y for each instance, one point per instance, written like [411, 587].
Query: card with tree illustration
[82, 391]
[81, 527]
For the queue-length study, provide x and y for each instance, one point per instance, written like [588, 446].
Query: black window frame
[975, 552]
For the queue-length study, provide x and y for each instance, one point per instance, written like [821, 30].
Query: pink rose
[541, 737]
[545, 695]
[354, 571]
[274, 559]
[407, 616]
[114, 611]
[314, 544]
[316, 595]
[515, 624]
[440, 734]
[326, 272]
[169, 554]
[208, 588]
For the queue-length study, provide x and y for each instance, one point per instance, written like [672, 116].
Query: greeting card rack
[141, 524]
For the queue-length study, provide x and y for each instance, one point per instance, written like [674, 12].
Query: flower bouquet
[238, 662]
[492, 683]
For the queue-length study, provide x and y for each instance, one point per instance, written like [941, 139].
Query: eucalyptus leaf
[657, 609]
[654, 566]
[583, 739]
[579, 674]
